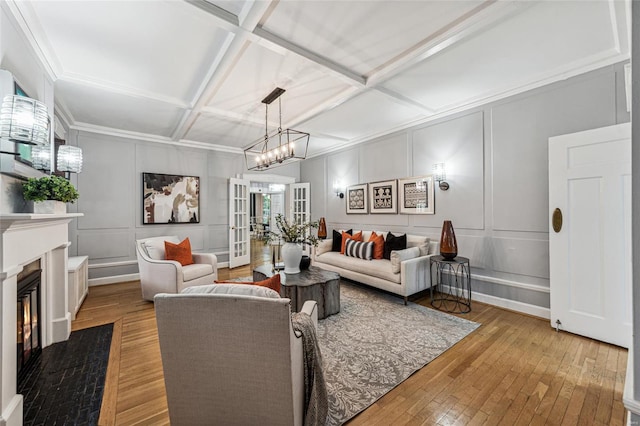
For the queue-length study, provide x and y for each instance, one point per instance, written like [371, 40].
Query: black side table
[452, 282]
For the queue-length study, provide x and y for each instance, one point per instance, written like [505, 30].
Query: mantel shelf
[26, 220]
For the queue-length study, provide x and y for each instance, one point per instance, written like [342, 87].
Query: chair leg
[405, 300]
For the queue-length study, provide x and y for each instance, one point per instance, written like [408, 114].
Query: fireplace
[29, 337]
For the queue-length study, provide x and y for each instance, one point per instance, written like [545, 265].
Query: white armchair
[158, 275]
[230, 356]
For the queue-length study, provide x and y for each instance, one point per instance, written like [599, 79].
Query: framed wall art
[416, 195]
[357, 199]
[383, 197]
[170, 199]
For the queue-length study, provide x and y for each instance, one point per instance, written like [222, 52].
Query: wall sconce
[41, 157]
[24, 120]
[439, 175]
[69, 159]
[338, 187]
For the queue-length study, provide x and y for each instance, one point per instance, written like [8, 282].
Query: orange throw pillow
[179, 252]
[273, 283]
[378, 245]
[346, 236]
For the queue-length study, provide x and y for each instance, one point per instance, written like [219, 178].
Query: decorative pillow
[399, 256]
[378, 245]
[155, 246]
[424, 248]
[232, 288]
[323, 247]
[346, 236]
[273, 283]
[337, 239]
[179, 252]
[394, 243]
[358, 249]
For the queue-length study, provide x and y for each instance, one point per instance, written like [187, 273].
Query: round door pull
[556, 220]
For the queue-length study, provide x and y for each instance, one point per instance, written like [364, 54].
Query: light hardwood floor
[514, 369]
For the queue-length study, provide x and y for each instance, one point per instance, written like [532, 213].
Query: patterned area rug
[375, 343]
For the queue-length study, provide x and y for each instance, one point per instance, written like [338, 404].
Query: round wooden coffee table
[310, 284]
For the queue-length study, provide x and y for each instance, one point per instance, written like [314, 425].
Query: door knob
[556, 220]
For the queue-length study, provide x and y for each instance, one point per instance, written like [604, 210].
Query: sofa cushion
[417, 240]
[180, 252]
[376, 268]
[359, 249]
[196, 270]
[155, 246]
[424, 248]
[394, 242]
[337, 239]
[399, 256]
[236, 289]
[378, 245]
[346, 236]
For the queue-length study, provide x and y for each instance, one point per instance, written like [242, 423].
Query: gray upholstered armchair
[230, 356]
[158, 275]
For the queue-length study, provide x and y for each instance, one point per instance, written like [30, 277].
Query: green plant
[293, 232]
[49, 188]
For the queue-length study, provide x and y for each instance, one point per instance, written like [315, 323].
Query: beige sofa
[405, 274]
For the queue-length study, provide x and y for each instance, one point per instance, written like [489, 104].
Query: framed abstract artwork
[383, 197]
[170, 199]
[357, 199]
[416, 195]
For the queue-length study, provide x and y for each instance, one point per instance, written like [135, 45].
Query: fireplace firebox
[29, 339]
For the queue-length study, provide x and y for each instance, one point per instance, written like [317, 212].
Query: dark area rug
[66, 383]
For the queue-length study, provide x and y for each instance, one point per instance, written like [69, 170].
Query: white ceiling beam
[474, 21]
[226, 18]
[234, 116]
[405, 100]
[343, 73]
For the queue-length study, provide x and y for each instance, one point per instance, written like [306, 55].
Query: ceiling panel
[220, 131]
[306, 84]
[100, 108]
[365, 115]
[234, 7]
[164, 47]
[548, 39]
[363, 35]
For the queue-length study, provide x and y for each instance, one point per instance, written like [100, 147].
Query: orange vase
[448, 243]
[322, 229]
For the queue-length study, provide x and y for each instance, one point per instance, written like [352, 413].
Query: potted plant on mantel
[294, 235]
[49, 194]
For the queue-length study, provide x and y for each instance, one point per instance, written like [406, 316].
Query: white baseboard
[514, 305]
[113, 279]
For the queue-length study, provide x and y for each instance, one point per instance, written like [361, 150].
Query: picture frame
[357, 201]
[383, 196]
[417, 195]
[170, 199]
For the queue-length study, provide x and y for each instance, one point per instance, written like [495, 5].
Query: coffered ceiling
[194, 72]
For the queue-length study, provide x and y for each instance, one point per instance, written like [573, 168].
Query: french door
[239, 230]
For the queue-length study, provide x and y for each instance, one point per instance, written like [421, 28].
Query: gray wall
[496, 158]
[110, 188]
[635, 172]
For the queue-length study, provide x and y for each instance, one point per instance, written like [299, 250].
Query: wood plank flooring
[513, 370]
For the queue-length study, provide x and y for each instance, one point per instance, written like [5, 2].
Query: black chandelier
[279, 147]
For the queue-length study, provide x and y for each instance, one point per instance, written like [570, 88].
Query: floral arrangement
[293, 232]
[49, 188]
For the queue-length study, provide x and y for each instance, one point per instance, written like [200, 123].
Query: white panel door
[590, 264]
[239, 231]
[299, 205]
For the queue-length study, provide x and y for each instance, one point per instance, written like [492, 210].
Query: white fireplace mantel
[25, 237]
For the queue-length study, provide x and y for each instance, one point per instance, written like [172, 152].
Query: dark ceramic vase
[305, 262]
[448, 243]
[322, 229]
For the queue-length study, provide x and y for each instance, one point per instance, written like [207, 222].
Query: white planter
[49, 207]
[291, 255]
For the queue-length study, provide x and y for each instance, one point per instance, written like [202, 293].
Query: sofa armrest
[159, 276]
[415, 274]
[208, 258]
[310, 307]
[323, 247]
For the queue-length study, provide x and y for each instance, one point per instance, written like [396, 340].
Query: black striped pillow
[359, 249]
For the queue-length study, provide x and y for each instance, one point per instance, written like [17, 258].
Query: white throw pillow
[424, 248]
[399, 256]
[235, 289]
[323, 247]
[155, 246]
